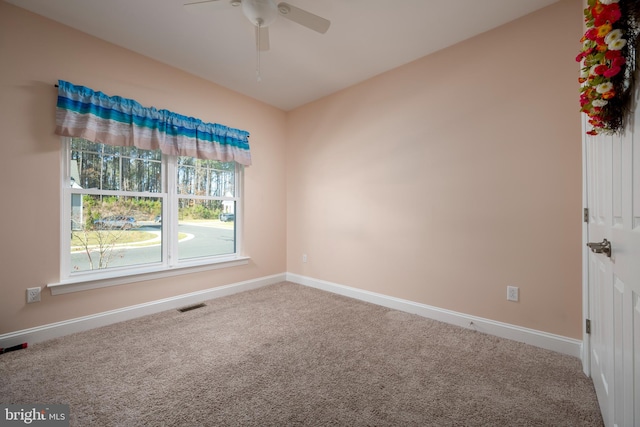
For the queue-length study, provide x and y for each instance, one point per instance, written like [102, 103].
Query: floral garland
[608, 62]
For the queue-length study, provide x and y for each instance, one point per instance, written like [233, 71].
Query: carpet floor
[287, 355]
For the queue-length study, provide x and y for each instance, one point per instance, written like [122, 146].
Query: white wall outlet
[304, 257]
[33, 295]
[513, 293]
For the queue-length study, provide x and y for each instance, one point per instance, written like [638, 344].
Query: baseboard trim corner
[79, 324]
[557, 343]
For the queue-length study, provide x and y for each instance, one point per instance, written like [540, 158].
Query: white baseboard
[79, 324]
[541, 339]
[536, 338]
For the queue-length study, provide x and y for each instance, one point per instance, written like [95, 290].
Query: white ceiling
[366, 38]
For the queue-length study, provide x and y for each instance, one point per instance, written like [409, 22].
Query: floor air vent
[191, 307]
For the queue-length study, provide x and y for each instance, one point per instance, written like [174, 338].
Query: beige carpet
[291, 355]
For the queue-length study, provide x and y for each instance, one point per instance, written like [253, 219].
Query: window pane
[206, 177]
[109, 232]
[103, 167]
[81, 144]
[139, 174]
[206, 228]
[186, 179]
[222, 183]
[110, 172]
[86, 169]
[117, 196]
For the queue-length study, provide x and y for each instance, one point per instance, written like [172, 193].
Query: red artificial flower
[618, 62]
[611, 72]
[603, 13]
[584, 54]
[614, 14]
[613, 54]
[584, 101]
[591, 34]
[600, 69]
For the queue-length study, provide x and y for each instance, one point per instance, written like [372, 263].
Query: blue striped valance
[112, 120]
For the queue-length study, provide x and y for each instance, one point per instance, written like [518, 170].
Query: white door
[613, 199]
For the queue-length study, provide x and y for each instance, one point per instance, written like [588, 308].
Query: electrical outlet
[304, 257]
[33, 295]
[512, 293]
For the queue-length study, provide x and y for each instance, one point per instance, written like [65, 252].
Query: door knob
[601, 248]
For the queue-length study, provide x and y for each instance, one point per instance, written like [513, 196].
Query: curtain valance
[112, 120]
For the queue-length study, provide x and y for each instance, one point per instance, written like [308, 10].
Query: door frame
[586, 339]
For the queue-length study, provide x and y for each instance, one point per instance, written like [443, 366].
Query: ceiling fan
[263, 13]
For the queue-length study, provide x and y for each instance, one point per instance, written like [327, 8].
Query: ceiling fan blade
[304, 18]
[262, 38]
[198, 6]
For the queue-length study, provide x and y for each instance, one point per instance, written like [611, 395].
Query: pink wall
[35, 53]
[441, 182]
[449, 178]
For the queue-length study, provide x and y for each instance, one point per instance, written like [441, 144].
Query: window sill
[98, 280]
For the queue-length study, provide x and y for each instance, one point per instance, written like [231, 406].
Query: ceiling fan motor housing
[261, 13]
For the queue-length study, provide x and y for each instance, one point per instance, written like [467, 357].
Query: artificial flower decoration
[608, 62]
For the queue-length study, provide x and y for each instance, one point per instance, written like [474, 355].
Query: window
[127, 211]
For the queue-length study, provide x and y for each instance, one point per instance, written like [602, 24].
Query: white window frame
[170, 264]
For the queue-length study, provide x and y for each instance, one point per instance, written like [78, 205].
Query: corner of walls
[440, 181]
